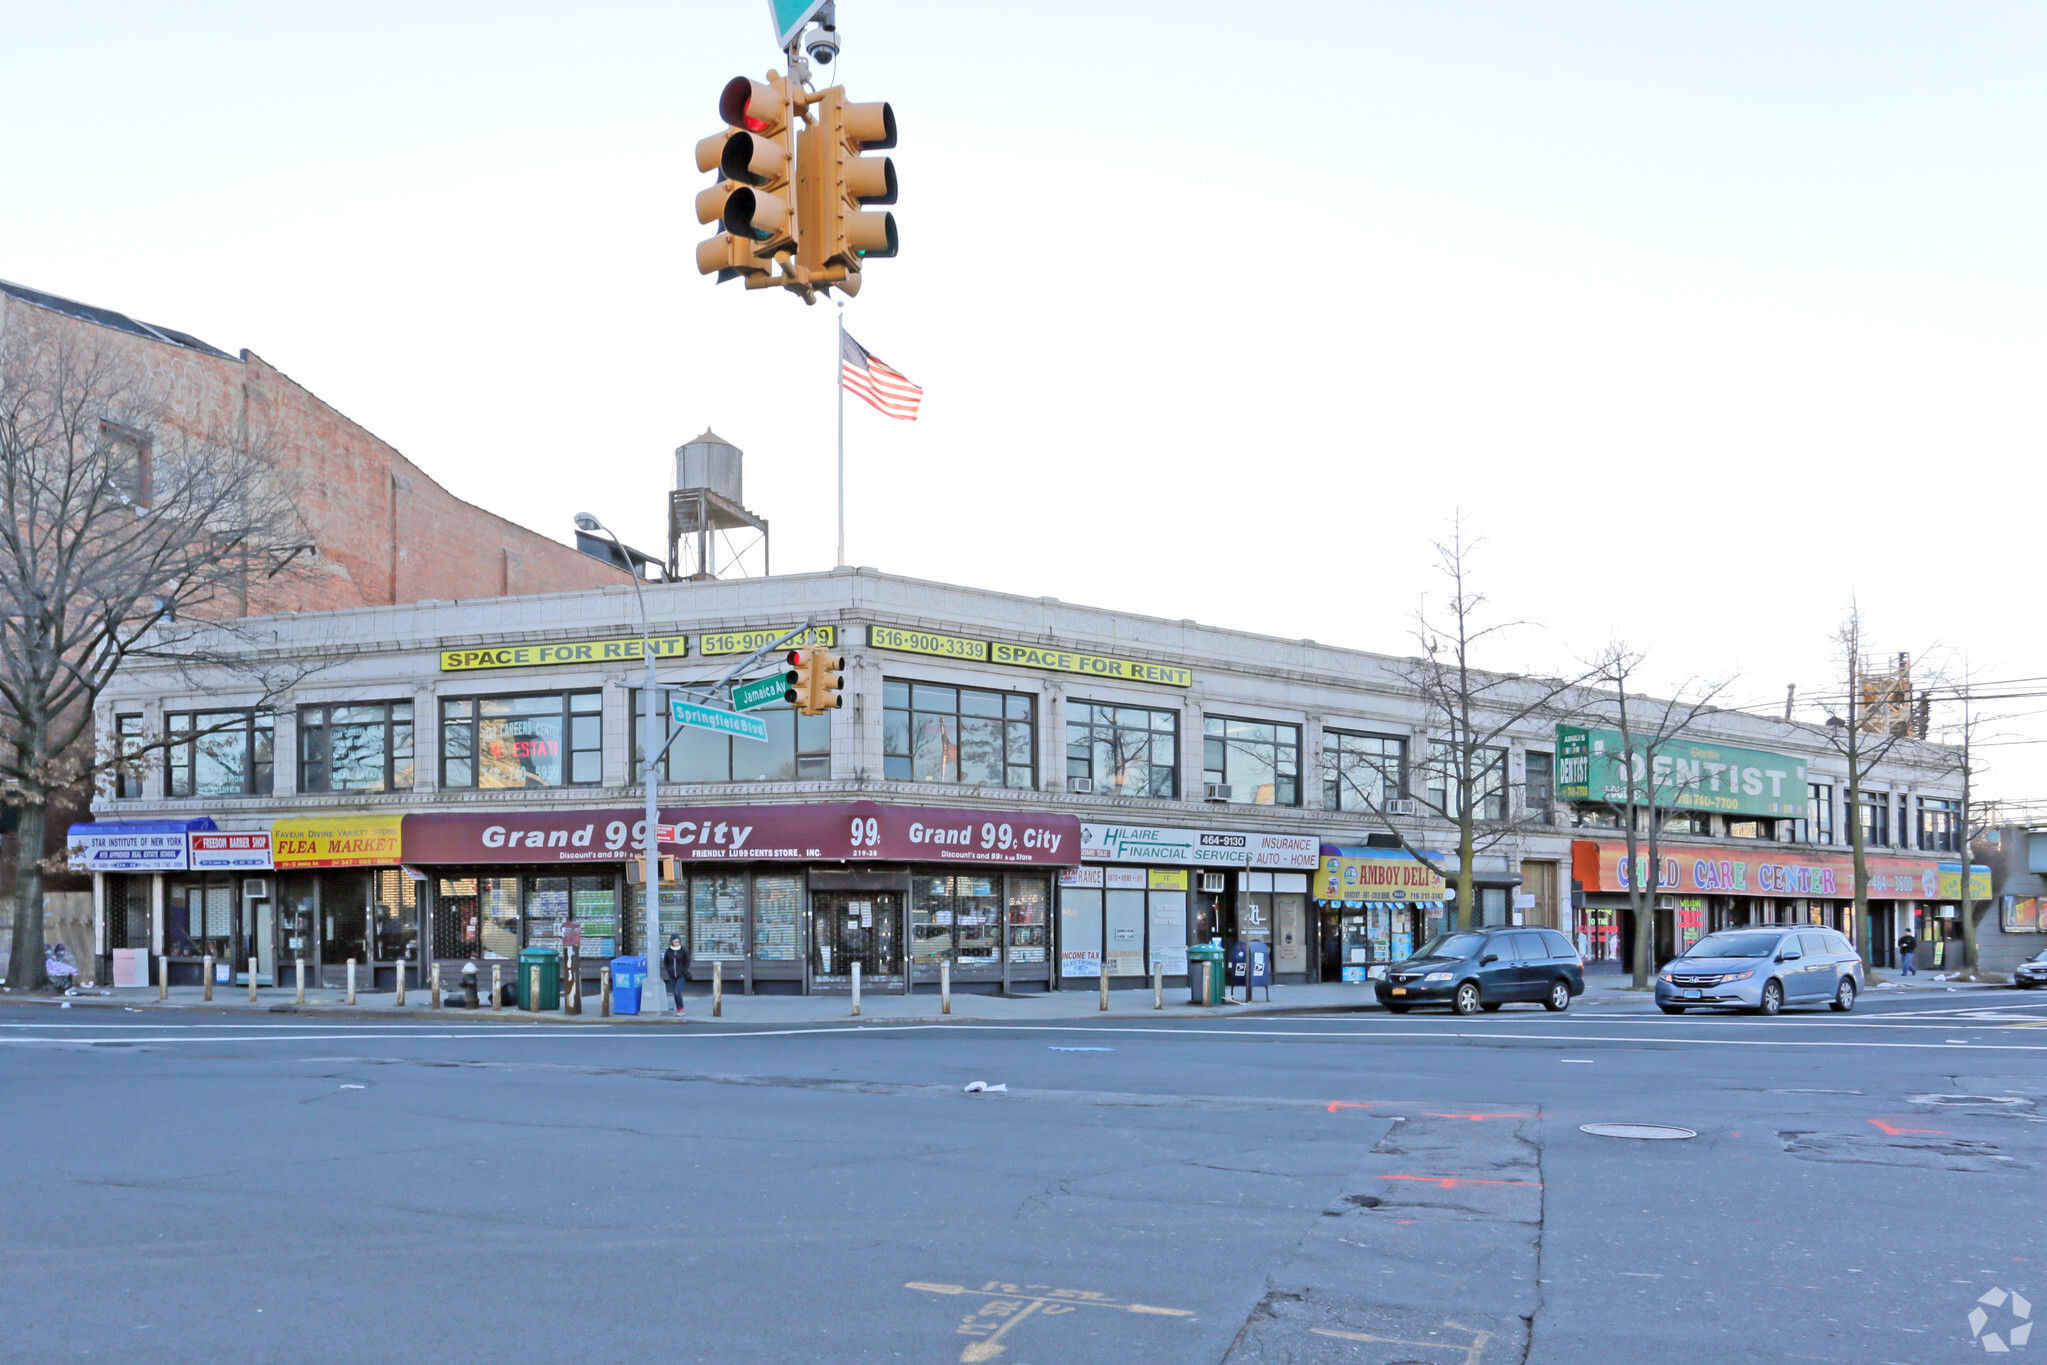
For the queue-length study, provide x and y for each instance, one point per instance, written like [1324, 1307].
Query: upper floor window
[130, 458]
[1488, 783]
[1541, 787]
[1687, 822]
[218, 753]
[1751, 829]
[1939, 828]
[799, 748]
[1257, 762]
[1363, 772]
[356, 748]
[1123, 750]
[128, 757]
[1818, 825]
[936, 733]
[1876, 818]
[550, 739]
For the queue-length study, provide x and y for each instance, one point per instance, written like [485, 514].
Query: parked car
[1763, 969]
[2032, 972]
[1482, 969]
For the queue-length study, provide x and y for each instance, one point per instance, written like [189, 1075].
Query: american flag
[870, 377]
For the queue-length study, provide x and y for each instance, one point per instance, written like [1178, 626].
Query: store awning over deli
[1601, 866]
[133, 845]
[847, 831]
[1377, 877]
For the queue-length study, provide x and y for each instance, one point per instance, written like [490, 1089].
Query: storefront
[130, 860]
[1704, 888]
[786, 897]
[1144, 892]
[1375, 905]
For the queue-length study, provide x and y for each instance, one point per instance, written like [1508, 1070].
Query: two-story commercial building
[1037, 792]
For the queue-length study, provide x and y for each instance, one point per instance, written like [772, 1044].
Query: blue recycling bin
[628, 977]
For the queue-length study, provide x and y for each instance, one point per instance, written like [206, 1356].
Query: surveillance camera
[822, 44]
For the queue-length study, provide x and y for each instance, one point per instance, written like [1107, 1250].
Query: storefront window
[968, 735]
[199, 918]
[956, 917]
[1257, 762]
[1123, 750]
[552, 739]
[395, 915]
[1029, 927]
[1364, 771]
[356, 748]
[1937, 817]
[218, 753]
[798, 748]
[593, 904]
[547, 909]
[775, 902]
[717, 916]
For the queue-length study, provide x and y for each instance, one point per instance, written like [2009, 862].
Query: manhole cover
[1635, 1130]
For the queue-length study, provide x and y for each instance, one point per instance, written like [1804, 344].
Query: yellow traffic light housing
[836, 184]
[814, 681]
[753, 200]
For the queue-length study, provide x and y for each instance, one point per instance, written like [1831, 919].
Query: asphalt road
[1352, 1189]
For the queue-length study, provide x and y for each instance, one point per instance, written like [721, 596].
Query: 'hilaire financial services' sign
[851, 831]
[1682, 775]
[1198, 847]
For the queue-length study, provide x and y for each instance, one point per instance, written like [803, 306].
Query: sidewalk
[1605, 993]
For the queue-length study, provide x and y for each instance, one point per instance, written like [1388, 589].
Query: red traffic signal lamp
[837, 184]
[814, 681]
[753, 201]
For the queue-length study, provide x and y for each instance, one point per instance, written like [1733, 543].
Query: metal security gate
[856, 926]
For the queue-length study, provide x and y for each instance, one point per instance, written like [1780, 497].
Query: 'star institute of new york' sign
[702, 717]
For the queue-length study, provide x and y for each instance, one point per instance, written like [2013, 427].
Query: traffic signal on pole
[753, 201]
[814, 681]
[837, 184]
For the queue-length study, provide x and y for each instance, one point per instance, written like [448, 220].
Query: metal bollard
[1158, 986]
[1105, 981]
[207, 967]
[604, 992]
[163, 979]
[433, 977]
[856, 990]
[717, 989]
[400, 1001]
[252, 980]
[351, 981]
[945, 985]
[299, 966]
[497, 986]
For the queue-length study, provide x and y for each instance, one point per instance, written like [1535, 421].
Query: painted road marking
[1889, 1131]
[1480, 1118]
[1472, 1352]
[1335, 1105]
[1451, 1182]
[1009, 1304]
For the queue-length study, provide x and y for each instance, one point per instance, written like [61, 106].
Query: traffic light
[814, 681]
[753, 201]
[836, 184]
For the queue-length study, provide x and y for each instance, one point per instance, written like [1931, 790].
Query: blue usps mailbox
[1259, 969]
[1239, 962]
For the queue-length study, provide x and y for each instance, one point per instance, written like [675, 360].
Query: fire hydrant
[469, 1000]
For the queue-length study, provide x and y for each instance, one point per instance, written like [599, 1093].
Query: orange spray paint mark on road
[1890, 1131]
[1451, 1182]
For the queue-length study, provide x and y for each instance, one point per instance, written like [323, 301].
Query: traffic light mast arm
[709, 691]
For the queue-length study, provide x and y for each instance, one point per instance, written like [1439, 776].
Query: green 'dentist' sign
[1681, 775]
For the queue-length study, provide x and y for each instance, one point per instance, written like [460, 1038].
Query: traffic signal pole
[839, 379]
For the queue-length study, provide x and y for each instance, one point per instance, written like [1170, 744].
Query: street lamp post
[651, 873]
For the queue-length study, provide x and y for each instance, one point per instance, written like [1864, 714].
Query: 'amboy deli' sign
[1604, 866]
[853, 831]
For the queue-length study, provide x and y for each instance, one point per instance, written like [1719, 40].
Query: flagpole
[839, 377]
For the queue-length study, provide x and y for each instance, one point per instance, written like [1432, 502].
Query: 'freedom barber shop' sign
[851, 831]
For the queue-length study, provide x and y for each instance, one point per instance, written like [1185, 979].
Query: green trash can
[1204, 974]
[540, 979]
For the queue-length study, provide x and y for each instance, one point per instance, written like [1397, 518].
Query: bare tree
[1471, 715]
[1655, 779]
[122, 527]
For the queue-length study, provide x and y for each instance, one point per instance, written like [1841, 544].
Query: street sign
[790, 16]
[712, 718]
[760, 692]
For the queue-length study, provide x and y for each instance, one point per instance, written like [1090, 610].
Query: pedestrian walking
[1907, 945]
[675, 968]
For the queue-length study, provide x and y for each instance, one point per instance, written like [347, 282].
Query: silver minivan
[1764, 969]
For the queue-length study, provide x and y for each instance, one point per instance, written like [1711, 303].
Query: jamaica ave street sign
[760, 692]
[711, 718]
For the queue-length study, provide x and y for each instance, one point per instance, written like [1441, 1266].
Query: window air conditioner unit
[1403, 805]
[1215, 791]
[1666, 902]
[1212, 882]
[255, 888]
[1084, 785]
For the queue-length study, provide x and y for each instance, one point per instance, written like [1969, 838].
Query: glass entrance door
[856, 926]
[258, 940]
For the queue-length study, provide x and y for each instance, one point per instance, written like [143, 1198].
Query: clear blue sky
[1709, 316]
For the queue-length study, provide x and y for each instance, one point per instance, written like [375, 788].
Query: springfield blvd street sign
[711, 718]
[1683, 775]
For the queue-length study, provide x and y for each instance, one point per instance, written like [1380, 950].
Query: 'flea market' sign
[1026, 656]
[1592, 765]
